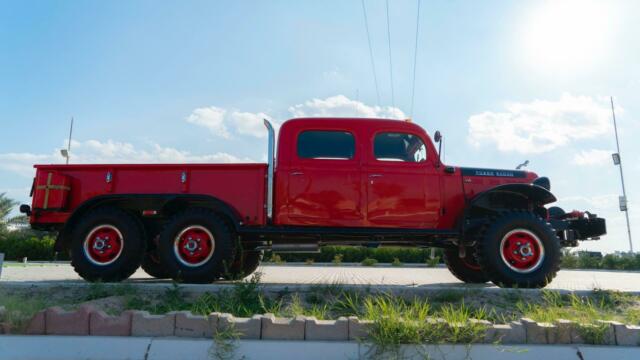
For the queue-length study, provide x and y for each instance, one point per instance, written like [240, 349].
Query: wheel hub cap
[522, 251]
[103, 245]
[194, 246]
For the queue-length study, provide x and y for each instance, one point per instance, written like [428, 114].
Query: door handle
[297, 173]
[375, 175]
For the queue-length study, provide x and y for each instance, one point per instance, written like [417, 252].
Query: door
[324, 180]
[403, 189]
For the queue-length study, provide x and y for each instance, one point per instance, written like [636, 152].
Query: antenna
[617, 160]
[66, 153]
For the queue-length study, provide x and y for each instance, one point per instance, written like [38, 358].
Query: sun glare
[567, 34]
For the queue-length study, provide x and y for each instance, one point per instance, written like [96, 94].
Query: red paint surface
[316, 192]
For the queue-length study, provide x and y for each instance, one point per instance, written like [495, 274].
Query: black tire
[494, 259]
[84, 259]
[245, 264]
[466, 269]
[210, 268]
[151, 265]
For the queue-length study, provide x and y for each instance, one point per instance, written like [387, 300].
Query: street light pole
[617, 160]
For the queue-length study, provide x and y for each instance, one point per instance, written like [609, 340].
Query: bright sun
[566, 34]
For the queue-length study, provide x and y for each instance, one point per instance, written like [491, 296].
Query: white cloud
[226, 123]
[592, 157]
[212, 118]
[94, 151]
[342, 106]
[247, 123]
[597, 203]
[541, 126]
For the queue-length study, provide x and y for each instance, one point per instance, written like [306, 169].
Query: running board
[292, 248]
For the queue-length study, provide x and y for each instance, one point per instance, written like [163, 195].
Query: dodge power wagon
[334, 181]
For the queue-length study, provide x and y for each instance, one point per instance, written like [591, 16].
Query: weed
[309, 262]
[433, 262]
[396, 262]
[276, 259]
[337, 259]
[226, 344]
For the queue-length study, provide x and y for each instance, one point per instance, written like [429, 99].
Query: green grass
[20, 309]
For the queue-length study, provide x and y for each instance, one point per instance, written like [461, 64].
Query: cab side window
[403, 147]
[338, 145]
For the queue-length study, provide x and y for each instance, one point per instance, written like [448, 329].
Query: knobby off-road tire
[107, 245]
[519, 249]
[245, 264]
[195, 246]
[466, 269]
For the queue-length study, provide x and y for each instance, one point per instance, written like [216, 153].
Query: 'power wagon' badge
[493, 173]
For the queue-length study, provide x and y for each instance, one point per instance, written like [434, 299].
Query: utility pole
[617, 160]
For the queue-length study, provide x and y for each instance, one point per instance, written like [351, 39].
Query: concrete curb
[145, 348]
[88, 321]
[157, 287]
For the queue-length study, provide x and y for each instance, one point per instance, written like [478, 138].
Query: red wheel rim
[522, 251]
[194, 246]
[103, 245]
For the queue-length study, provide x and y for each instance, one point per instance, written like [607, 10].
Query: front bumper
[574, 229]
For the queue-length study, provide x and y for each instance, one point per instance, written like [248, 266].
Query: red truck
[335, 181]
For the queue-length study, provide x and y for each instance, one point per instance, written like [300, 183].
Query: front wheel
[519, 249]
[466, 268]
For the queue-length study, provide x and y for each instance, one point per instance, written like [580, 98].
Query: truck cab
[347, 173]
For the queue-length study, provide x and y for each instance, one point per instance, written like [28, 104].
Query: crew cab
[346, 181]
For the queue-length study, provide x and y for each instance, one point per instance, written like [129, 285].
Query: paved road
[355, 275]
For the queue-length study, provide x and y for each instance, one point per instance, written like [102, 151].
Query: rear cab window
[399, 147]
[326, 144]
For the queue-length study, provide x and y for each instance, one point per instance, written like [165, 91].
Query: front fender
[513, 196]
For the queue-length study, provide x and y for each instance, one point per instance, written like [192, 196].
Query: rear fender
[165, 204]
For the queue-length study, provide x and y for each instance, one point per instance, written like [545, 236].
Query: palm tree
[6, 205]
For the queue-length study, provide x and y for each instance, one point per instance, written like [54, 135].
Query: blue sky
[167, 81]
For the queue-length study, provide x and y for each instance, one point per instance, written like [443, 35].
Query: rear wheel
[151, 265]
[107, 245]
[519, 249]
[467, 268]
[195, 246]
[244, 265]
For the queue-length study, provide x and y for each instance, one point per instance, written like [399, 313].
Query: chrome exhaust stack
[270, 169]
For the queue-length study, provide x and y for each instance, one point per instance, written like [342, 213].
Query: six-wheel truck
[334, 181]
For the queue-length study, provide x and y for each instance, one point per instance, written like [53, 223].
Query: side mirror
[437, 136]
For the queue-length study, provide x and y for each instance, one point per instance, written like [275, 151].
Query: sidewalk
[107, 348]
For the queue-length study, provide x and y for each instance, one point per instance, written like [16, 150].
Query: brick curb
[89, 321]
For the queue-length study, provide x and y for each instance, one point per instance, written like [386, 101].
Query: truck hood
[477, 180]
